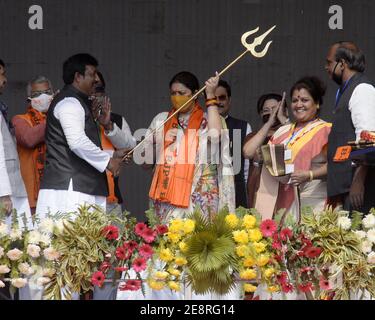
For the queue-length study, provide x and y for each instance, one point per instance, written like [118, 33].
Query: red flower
[285, 234]
[276, 245]
[306, 269]
[120, 269]
[146, 251]
[282, 278]
[312, 252]
[268, 228]
[324, 284]
[111, 232]
[139, 264]
[98, 278]
[306, 241]
[130, 245]
[105, 266]
[306, 287]
[122, 253]
[148, 235]
[278, 257]
[132, 285]
[161, 229]
[139, 228]
[287, 287]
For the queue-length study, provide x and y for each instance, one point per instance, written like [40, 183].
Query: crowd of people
[68, 147]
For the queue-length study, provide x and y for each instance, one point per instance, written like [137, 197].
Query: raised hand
[211, 85]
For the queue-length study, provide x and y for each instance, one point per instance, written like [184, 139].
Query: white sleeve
[121, 138]
[72, 118]
[247, 161]
[5, 188]
[362, 108]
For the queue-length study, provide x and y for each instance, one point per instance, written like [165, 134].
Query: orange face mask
[178, 101]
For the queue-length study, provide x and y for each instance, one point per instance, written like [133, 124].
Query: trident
[250, 47]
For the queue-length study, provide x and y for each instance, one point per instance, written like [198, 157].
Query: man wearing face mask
[273, 117]
[30, 134]
[240, 165]
[354, 111]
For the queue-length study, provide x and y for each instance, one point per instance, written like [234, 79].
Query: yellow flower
[231, 220]
[262, 260]
[255, 235]
[273, 289]
[176, 226]
[161, 275]
[174, 272]
[180, 261]
[156, 285]
[249, 287]
[248, 274]
[174, 237]
[249, 221]
[189, 226]
[174, 285]
[269, 272]
[248, 262]
[241, 236]
[166, 255]
[242, 250]
[259, 247]
[183, 246]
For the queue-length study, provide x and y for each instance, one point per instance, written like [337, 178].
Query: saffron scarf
[173, 176]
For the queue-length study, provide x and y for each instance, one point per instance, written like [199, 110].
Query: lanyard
[341, 91]
[295, 135]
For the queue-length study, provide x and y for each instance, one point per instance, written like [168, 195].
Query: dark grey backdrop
[141, 44]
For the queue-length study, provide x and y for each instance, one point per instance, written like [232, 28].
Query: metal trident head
[257, 41]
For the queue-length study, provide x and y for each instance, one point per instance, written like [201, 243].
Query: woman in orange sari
[305, 142]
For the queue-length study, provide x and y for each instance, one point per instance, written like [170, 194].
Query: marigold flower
[249, 262]
[189, 226]
[183, 246]
[269, 272]
[232, 220]
[249, 221]
[174, 237]
[176, 226]
[248, 274]
[249, 287]
[262, 260]
[241, 236]
[180, 261]
[174, 272]
[156, 285]
[161, 275]
[173, 285]
[242, 250]
[255, 235]
[166, 255]
[259, 247]
[273, 289]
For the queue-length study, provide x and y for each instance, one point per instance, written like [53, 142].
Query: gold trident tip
[257, 41]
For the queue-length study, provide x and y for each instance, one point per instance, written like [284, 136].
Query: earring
[318, 107]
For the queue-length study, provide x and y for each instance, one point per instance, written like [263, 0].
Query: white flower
[33, 250]
[15, 234]
[369, 221]
[366, 246]
[42, 281]
[46, 225]
[371, 235]
[344, 222]
[34, 237]
[371, 257]
[59, 224]
[45, 240]
[1, 251]
[19, 282]
[51, 254]
[3, 229]
[2, 284]
[361, 234]
[48, 272]
[14, 254]
[4, 269]
[25, 268]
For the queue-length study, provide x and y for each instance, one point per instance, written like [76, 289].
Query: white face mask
[42, 102]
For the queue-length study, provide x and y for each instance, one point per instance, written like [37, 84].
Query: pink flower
[130, 245]
[139, 264]
[276, 245]
[146, 251]
[161, 229]
[111, 232]
[285, 234]
[324, 284]
[287, 287]
[307, 287]
[105, 266]
[282, 278]
[148, 235]
[98, 278]
[122, 253]
[268, 228]
[312, 252]
[139, 228]
[132, 285]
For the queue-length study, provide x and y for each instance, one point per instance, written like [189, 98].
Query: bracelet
[211, 101]
[311, 175]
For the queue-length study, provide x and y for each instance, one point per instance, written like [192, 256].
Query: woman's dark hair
[187, 79]
[268, 96]
[351, 54]
[313, 85]
[77, 63]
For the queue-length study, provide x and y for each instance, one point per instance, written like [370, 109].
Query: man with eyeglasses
[30, 130]
[238, 130]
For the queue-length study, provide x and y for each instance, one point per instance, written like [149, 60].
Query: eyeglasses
[36, 94]
[222, 97]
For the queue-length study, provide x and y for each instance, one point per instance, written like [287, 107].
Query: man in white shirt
[74, 172]
[354, 112]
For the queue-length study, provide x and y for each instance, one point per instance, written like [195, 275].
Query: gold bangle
[311, 175]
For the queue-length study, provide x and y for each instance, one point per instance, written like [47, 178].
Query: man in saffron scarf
[305, 142]
[30, 134]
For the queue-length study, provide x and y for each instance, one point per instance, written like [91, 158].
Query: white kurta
[71, 115]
